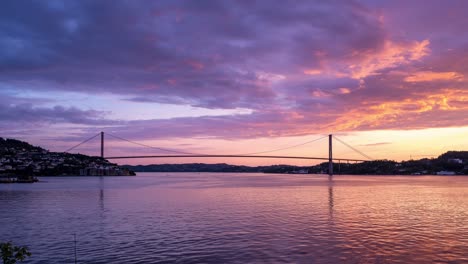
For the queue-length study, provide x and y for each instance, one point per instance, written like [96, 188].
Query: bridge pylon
[102, 144]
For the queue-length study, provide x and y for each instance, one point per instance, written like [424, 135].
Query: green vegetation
[12, 254]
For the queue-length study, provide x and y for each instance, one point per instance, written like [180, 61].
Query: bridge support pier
[330, 155]
[102, 144]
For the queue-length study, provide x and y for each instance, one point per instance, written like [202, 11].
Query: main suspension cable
[77, 145]
[351, 147]
[148, 146]
[192, 153]
[290, 147]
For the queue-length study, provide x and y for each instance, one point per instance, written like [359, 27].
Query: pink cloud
[196, 65]
[299, 70]
[391, 55]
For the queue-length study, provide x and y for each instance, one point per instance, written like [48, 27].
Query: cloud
[315, 66]
[391, 55]
[376, 144]
[26, 114]
[211, 55]
[344, 90]
[418, 110]
[445, 109]
[313, 72]
[427, 76]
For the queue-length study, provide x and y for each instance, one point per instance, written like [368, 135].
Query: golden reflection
[384, 215]
[330, 198]
[101, 194]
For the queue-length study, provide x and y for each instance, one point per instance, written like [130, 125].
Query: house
[445, 173]
[458, 161]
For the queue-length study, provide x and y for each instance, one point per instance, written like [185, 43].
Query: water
[239, 218]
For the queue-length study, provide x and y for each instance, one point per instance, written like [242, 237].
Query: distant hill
[19, 158]
[455, 162]
[463, 155]
[219, 167]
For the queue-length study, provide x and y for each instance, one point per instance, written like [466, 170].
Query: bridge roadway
[232, 156]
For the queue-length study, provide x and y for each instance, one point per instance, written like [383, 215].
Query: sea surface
[239, 218]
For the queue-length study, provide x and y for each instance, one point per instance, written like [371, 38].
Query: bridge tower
[330, 155]
[102, 144]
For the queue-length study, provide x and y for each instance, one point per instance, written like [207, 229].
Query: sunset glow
[236, 77]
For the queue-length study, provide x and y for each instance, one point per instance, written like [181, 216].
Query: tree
[12, 254]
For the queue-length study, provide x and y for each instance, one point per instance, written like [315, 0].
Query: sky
[232, 77]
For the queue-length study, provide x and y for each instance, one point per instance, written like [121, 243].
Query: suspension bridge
[183, 154]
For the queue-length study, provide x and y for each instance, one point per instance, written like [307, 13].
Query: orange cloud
[407, 111]
[320, 93]
[426, 76]
[392, 54]
[344, 90]
[312, 71]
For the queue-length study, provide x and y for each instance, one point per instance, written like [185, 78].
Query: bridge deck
[231, 156]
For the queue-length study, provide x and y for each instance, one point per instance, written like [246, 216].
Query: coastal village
[22, 161]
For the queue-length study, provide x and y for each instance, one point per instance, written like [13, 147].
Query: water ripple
[239, 218]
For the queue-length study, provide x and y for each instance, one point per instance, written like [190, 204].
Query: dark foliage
[12, 254]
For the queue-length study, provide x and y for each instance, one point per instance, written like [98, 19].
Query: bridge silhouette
[183, 154]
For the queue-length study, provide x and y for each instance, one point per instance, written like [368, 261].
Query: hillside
[452, 162]
[18, 158]
[219, 167]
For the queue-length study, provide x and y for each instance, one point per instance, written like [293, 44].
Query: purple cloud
[302, 68]
[27, 114]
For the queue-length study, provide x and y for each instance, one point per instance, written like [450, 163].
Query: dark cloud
[205, 53]
[33, 116]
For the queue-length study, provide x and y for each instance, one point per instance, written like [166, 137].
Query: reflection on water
[330, 201]
[213, 218]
